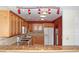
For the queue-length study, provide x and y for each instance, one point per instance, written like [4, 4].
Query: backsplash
[8, 41]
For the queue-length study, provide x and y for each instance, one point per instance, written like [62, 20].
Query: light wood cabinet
[20, 25]
[4, 23]
[10, 23]
[30, 27]
[48, 25]
[14, 24]
[38, 39]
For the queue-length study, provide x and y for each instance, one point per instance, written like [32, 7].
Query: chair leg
[29, 42]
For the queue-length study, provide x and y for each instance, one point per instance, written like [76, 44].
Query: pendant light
[49, 11]
[19, 12]
[39, 11]
[29, 11]
[58, 10]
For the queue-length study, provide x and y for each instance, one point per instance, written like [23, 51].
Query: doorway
[58, 32]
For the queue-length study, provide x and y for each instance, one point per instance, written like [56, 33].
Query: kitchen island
[38, 38]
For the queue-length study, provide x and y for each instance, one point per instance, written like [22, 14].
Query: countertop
[36, 33]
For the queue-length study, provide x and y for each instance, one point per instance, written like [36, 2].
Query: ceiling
[34, 16]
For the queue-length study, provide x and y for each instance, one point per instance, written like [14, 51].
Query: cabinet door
[19, 26]
[11, 24]
[4, 24]
[16, 25]
[20, 23]
[30, 27]
[48, 25]
[34, 40]
[38, 40]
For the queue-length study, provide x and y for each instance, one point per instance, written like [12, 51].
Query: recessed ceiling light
[42, 16]
[44, 13]
[42, 19]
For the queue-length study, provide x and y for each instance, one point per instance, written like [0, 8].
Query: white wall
[70, 20]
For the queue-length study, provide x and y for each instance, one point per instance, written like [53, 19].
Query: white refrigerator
[48, 36]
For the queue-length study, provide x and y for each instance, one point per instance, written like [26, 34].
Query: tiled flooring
[38, 48]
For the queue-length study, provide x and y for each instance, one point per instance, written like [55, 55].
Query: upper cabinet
[10, 23]
[48, 25]
[37, 27]
[4, 23]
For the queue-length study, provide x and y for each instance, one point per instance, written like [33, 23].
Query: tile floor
[23, 47]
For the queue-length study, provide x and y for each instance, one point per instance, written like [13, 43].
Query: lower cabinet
[38, 40]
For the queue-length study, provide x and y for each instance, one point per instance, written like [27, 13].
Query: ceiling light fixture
[44, 12]
[42, 16]
[39, 11]
[49, 11]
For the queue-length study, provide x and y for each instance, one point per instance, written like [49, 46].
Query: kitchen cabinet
[48, 25]
[19, 26]
[4, 23]
[37, 27]
[30, 27]
[24, 27]
[14, 24]
[38, 39]
[10, 23]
